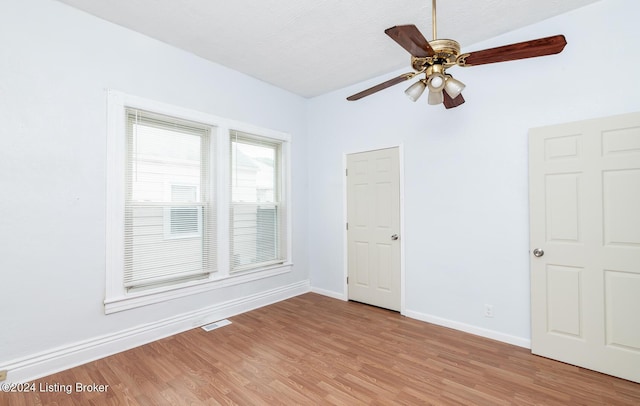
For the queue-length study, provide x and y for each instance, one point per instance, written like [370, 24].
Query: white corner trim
[468, 328]
[330, 293]
[45, 363]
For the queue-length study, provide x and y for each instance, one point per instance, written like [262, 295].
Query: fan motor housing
[446, 52]
[445, 48]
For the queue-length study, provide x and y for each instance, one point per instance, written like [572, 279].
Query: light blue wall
[466, 229]
[55, 65]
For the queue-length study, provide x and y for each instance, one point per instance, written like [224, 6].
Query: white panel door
[373, 215]
[585, 244]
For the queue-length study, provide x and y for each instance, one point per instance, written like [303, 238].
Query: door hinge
[347, 280]
[346, 172]
[347, 226]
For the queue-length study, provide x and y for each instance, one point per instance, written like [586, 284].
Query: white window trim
[117, 298]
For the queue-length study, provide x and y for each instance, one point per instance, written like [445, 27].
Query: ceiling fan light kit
[435, 98]
[435, 82]
[433, 58]
[414, 91]
[453, 87]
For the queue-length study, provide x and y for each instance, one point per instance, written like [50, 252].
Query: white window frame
[117, 298]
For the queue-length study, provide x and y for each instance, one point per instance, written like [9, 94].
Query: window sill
[144, 298]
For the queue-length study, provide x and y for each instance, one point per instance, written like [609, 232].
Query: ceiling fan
[433, 58]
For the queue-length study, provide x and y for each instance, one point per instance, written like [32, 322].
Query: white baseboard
[467, 328]
[45, 363]
[330, 293]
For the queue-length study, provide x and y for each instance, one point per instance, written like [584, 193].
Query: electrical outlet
[488, 310]
[3, 375]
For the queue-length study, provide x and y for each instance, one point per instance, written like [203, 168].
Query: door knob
[538, 252]
[394, 237]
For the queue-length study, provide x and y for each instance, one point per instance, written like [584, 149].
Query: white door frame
[345, 244]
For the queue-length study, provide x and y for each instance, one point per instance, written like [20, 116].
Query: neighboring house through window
[185, 220]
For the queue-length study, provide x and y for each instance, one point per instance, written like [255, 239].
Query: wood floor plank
[312, 350]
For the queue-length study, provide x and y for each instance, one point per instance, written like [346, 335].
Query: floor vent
[217, 324]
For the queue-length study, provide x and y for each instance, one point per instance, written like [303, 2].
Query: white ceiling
[311, 47]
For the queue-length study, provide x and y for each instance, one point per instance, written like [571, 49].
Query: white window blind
[169, 221]
[257, 211]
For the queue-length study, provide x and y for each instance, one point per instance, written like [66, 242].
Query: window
[194, 202]
[164, 238]
[181, 221]
[256, 210]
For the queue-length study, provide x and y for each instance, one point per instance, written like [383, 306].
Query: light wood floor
[316, 350]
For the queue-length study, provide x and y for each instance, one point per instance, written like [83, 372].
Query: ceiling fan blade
[450, 103]
[382, 86]
[411, 39]
[521, 50]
